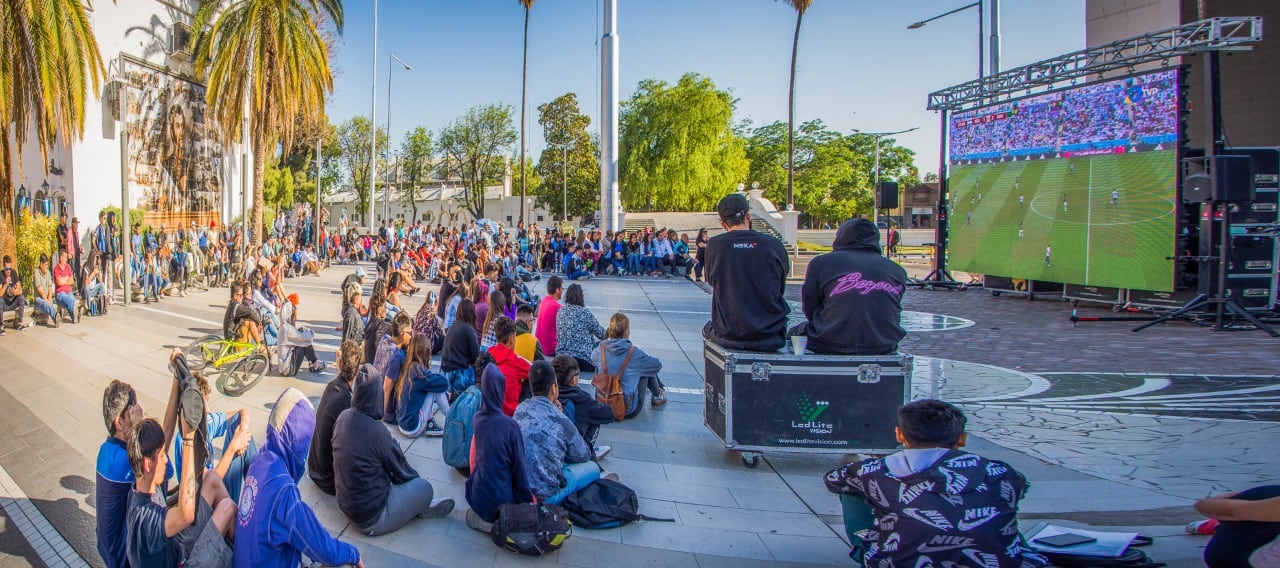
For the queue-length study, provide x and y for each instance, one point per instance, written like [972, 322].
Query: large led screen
[1076, 185]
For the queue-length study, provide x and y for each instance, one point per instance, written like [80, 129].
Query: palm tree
[800, 6]
[524, 89]
[271, 52]
[49, 61]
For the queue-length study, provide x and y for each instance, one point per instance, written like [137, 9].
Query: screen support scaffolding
[1205, 36]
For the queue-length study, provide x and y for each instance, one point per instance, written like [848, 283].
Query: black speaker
[1217, 178]
[887, 195]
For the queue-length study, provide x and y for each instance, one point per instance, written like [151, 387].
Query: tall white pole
[610, 206]
[246, 152]
[386, 184]
[875, 186]
[315, 221]
[126, 228]
[373, 123]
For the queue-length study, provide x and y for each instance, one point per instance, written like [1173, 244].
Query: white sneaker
[603, 451]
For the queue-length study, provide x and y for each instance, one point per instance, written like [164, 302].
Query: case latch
[868, 374]
[760, 371]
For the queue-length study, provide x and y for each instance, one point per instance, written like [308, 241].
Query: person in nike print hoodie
[933, 504]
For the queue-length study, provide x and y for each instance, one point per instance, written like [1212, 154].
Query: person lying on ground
[499, 474]
[852, 296]
[275, 526]
[932, 502]
[377, 488]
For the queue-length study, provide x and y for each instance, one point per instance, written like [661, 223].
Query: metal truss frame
[1213, 34]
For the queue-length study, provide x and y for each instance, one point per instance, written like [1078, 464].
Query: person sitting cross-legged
[275, 526]
[336, 398]
[559, 459]
[587, 413]
[45, 301]
[64, 285]
[377, 488]
[420, 392]
[499, 473]
[933, 504]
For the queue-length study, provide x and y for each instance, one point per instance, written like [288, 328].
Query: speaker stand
[1219, 306]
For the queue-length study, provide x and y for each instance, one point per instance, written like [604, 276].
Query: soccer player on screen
[968, 218]
[1064, 203]
[1019, 230]
[1071, 168]
[1048, 251]
[1020, 199]
[1115, 196]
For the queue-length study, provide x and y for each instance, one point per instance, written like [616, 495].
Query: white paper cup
[799, 343]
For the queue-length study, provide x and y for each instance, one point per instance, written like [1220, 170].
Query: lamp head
[916, 26]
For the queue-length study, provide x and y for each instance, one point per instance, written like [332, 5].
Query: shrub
[36, 235]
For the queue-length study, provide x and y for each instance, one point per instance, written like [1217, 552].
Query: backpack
[604, 504]
[456, 445]
[531, 530]
[609, 386]
[1132, 558]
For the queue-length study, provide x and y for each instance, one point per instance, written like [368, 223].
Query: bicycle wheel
[244, 375]
[197, 355]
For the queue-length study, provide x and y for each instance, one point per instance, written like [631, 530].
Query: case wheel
[751, 460]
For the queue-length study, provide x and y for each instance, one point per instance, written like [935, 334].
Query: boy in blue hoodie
[275, 527]
[499, 474]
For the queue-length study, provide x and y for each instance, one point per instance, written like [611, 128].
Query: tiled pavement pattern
[50, 395]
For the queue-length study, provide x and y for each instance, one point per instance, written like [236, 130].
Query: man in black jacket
[335, 400]
[747, 272]
[377, 488]
[852, 296]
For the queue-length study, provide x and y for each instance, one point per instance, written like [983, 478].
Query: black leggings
[1234, 541]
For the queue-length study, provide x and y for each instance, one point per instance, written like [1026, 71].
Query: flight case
[778, 402]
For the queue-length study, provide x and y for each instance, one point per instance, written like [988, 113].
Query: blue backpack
[458, 428]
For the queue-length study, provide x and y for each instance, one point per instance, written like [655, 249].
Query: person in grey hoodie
[641, 370]
[558, 459]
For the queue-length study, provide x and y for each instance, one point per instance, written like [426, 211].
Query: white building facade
[180, 168]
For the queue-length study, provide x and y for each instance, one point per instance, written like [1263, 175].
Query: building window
[508, 219]
[539, 218]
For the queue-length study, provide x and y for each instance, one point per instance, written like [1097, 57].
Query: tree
[277, 185]
[474, 147]
[415, 158]
[679, 149]
[800, 6]
[524, 104]
[570, 149]
[49, 62]
[271, 53]
[353, 155]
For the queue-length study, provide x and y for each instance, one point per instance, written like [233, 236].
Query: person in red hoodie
[514, 367]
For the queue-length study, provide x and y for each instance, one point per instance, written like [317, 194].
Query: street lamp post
[982, 40]
[391, 71]
[875, 183]
[564, 187]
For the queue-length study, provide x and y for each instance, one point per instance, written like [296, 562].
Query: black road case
[778, 402]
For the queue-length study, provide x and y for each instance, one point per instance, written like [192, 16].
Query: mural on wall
[175, 157]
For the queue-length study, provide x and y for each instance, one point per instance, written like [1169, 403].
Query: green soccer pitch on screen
[1075, 186]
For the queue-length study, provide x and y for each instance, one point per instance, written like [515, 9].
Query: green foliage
[277, 186]
[474, 146]
[136, 217]
[563, 123]
[353, 146]
[678, 148]
[833, 172]
[415, 164]
[37, 235]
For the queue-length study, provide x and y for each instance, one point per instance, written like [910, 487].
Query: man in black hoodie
[852, 296]
[377, 488]
[747, 271]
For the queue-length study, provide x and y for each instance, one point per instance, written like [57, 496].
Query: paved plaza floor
[1113, 429]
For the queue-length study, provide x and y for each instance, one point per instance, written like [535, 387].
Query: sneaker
[658, 400]
[433, 429]
[603, 451]
[440, 508]
[57, 319]
[24, 326]
[2, 331]
[474, 522]
[611, 476]
[1207, 526]
[319, 367]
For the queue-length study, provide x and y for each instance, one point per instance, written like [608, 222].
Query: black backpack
[531, 530]
[1132, 558]
[604, 504]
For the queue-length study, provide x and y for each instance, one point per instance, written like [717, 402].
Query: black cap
[732, 207]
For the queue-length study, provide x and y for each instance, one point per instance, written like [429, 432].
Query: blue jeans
[234, 478]
[46, 307]
[67, 301]
[633, 263]
[649, 264]
[576, 476]
[579, 274]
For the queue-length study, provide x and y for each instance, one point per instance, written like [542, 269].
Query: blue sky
[859, 67]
